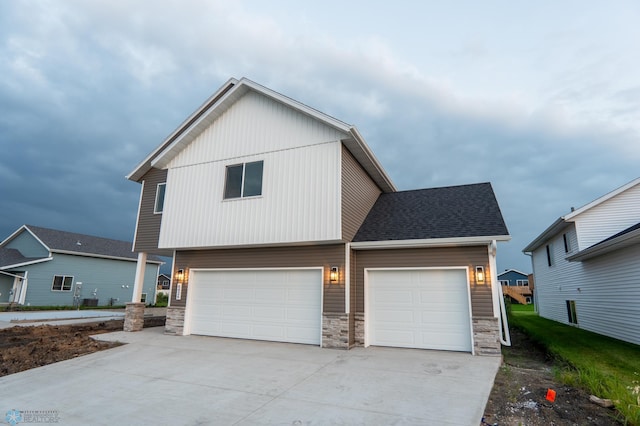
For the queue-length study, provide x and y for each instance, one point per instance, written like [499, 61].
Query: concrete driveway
[193, 380]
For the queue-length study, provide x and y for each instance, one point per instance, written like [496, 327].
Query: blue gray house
[517, 286]
[47, 267]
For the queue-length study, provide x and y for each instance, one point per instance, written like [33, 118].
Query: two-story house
[284, 226]
[586, 266]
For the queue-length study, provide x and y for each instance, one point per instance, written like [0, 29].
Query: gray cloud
[91, 88]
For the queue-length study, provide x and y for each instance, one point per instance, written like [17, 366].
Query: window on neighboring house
[567, 243]
[504, 282]
[143, 298]
[523, 283]
[243, 180]
[165, 285]
[549, 255]
[62, 283]
[159, 205]
[571, 312]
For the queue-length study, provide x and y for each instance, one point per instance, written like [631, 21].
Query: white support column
[139, 280]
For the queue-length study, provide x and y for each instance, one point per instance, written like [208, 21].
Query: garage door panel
[423, 308]
[277, 305]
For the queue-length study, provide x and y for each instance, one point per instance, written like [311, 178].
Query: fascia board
[386, 183]
[31, 262]
[602, 199]
[606, 247]
[136, 172]
[552, 230]
[432, 242]
[20, 230]
[103, 256]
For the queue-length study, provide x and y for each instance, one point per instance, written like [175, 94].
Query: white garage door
[276, 305]
[427, 309]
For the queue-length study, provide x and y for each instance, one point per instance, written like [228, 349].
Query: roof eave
[600, 249]
[552, 230]
[104, 256]
[602, 199]
[371, 163]
[31, 262]
[146, 164]
[430, 242]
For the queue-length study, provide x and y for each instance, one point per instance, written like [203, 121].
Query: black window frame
[246, 186]
[567, 243]
[549, 249]
[158, 196]
[572, 313]
[62, 283]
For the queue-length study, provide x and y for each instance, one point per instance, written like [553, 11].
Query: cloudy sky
[542, 99]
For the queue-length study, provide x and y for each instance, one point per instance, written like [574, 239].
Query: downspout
[498, 298]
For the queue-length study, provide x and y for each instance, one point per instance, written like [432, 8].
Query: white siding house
[587, 269]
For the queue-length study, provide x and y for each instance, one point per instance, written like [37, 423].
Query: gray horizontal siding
[359, 194]
[27, 245]
[272, 257]
[481, 297]
[148, 229]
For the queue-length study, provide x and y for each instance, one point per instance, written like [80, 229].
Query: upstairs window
[243, 180]
[567, 243]
[504, 282]
[159, 205]
[62, 283]
[549, 255]
[522, 283]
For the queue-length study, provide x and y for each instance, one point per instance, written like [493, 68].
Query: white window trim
[244, 168]
[63, 279]
[155, 202]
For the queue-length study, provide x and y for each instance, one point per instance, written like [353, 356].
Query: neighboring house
[515, 284]
[164, 282]
[47, 267]
[586, 266]
[285, 227]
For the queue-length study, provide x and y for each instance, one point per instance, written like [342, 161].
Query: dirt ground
[519, 393]
[26, 347]
[517, 398]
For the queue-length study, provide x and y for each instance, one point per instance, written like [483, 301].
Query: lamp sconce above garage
[479, 274]
[334, 274]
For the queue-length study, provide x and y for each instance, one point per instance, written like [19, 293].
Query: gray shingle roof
[80, 243]
[448, 212]
[10, 256]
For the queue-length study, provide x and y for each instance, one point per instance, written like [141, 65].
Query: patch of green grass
[606, 367]
[515, 307]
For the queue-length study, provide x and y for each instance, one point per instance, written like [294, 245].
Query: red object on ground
[551, 395]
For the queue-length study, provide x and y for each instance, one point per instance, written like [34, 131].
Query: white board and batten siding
[300, 198]
[424, 308]
[605, 289]
[608, 218]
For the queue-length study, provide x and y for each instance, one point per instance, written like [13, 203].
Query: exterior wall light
[180, 276]
[480, 274]
[334, 274]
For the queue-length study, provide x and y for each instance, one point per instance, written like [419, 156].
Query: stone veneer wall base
[175, 321]
[335, 331]
[358, 318]
[486, 336]
[134, 316]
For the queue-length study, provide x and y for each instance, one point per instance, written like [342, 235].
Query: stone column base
[486, 336]
[175, 321]
[335, 331]
[134, 316]
[358, 319]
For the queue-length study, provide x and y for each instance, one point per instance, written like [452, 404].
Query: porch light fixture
[180, 276]
[480, 274]
[334, 274]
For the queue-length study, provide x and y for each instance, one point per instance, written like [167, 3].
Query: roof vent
[78, 243]
[573, 209]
